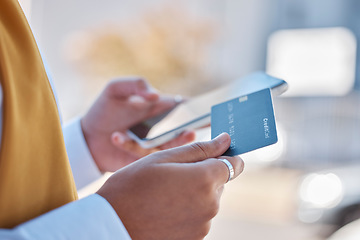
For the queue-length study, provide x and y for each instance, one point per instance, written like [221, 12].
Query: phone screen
[142, 129]
[179, 117]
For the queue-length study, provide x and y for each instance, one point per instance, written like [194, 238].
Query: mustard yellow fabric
[35, 174]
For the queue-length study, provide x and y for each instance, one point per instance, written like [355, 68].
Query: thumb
[195, 152]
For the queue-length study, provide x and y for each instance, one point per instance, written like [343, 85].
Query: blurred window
[317, 61]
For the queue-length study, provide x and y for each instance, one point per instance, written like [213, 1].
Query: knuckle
[213, 209]
[204, 230]
[154, 157]
[201, 149]
[207, 181]
[140, 83]
[110, 87]
[111, 84]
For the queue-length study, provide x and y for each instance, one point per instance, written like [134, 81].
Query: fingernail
[119, 138]
[136, 99]
[178, 99]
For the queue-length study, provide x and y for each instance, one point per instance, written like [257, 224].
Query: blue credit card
[248, 119]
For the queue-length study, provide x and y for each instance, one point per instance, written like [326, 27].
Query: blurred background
[307, 185]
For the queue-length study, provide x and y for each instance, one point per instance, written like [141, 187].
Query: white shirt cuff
[91, 218]
[82, 164]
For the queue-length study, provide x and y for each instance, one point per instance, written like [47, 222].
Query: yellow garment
[35, 174]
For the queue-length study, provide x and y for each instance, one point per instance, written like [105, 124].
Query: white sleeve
[91, 218]
[82, 164]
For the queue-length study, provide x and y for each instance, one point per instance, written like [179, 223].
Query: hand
[122, 104]
[172, 194]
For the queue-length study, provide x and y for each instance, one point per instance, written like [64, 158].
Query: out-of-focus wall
[237, 46]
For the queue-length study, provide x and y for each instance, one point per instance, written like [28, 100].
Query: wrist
[90, 140]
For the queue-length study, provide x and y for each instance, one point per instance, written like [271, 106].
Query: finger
[125, 143]
[183, 138]
[221, 170]
[195, 152]
[139, 102]
[125, 87]
[164, 104]
[218, 170]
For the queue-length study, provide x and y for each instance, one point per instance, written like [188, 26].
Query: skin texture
[168, 194]
[172, 194]
[122, 104]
